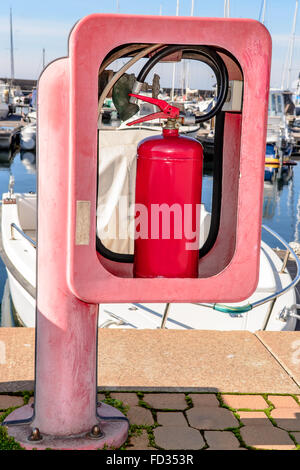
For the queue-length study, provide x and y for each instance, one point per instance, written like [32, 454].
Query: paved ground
[183, 389]
[201, 421]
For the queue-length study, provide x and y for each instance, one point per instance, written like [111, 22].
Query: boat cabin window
[276, 104]
[279, 104]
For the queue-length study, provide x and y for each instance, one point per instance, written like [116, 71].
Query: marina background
[281, 205]
[249, 349]
[33, 35]
[46, 25]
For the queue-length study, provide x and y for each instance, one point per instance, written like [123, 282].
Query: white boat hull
[23, 303]
[149, 316]
[22, 256]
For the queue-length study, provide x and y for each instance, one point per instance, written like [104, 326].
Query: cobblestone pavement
[199, 421]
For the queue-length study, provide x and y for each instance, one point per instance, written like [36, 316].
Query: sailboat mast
[192, 8]
[264, 12]
[174, 65]
[188, 64]
[226, 8]
[292, 45]
[12, 65]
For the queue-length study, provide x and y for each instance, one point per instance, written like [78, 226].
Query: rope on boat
[240, 309]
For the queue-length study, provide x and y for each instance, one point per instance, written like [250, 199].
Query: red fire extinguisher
[167, 199]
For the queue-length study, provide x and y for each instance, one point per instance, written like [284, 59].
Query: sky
[39, 25]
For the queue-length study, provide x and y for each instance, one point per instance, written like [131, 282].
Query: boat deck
[9, 128]
[31, 234]
[291, 266]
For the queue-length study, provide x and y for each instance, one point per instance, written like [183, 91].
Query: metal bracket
[289, 312]
[234, 96]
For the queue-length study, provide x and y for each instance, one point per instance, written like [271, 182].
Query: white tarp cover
[116, 186]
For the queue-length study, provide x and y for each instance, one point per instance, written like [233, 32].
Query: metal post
[65, 400]
[165, 315]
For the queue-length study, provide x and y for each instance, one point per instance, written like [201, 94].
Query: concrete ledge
[16, 359]
[170, 360]
[175, 360]
[285, 347]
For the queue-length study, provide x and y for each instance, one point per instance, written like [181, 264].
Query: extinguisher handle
[166, 110]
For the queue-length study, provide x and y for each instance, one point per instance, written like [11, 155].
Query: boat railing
[13, 227]
[270, 298]
[238, 310]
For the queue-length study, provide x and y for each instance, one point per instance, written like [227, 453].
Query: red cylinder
[167, 206]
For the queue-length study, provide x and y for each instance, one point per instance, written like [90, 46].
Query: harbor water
[281, 204]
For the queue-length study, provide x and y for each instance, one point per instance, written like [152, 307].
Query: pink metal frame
[249, 42]
[72, 278]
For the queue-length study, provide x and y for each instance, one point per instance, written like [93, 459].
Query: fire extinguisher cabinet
[72, 277]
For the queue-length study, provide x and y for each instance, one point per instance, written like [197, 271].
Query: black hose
[217, 186]
[207, 55]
